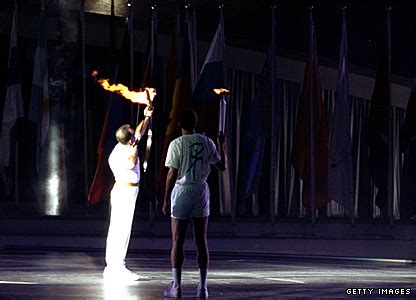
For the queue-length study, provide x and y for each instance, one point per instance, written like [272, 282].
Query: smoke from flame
[144, 96]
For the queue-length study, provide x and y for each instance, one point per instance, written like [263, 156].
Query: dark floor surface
[48, 274]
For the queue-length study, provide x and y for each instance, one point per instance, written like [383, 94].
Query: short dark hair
[123, 134]
[187, 119]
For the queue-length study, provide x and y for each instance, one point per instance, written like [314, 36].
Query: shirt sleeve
[172, 156]
[213, 155]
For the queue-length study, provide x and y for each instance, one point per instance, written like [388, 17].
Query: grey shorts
[190, 201]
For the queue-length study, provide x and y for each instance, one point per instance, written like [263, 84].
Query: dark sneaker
[172, 291]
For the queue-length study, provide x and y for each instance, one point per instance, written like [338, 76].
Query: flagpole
[150, 130]
[84, 101]
[391, 159]
[312, 113]
[273, 169]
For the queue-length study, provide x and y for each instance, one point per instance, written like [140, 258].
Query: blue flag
[39, 98]
[340, 182]
[13, 106]
[258, 130]
[213, 72]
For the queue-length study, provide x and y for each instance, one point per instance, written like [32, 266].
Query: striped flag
[213, 71]
[206, 104]
[13, 106]
[39, 98]
[212, 75]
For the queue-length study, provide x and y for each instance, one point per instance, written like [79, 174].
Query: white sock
[177, 275]
[203, 274]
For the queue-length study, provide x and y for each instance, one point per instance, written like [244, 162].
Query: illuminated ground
[77, 275]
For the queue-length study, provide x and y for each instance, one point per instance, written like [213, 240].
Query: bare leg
[178, 239]
[200, 226]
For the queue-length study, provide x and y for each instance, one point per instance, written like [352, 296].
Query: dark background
[247, 25]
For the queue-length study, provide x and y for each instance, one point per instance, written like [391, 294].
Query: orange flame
[221, 91]
[144, 96]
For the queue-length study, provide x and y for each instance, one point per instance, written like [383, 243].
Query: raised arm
[143, 125]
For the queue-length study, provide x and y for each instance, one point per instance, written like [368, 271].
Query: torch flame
[144, 96]
[221, 91]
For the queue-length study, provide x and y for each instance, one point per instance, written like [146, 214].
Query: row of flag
[323, 162]
[39, 99]
[211, 76]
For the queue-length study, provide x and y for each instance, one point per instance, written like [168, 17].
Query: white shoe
[120, 274]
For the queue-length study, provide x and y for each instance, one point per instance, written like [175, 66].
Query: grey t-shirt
[192, 155]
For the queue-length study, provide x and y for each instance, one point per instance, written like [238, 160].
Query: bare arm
[141, 128]
[170, 183]
[222, 164]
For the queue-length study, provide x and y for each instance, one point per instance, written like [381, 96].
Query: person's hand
[148, 111]
[151, 93]
[166, 208]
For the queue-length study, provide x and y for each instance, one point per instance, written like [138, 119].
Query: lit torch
[223, 109]
[144, 96]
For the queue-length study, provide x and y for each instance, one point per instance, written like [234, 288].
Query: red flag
[116, 116]
[301, 153]
[182, 96]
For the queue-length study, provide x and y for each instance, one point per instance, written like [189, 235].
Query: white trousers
[123, 202]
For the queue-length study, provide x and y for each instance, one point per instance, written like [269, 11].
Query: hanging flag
[213, 71]
[212, 76]
[118, 113]
[259, 128]
[302, 156]
[408, 147]
[340, 181]
[206, 104]
[13, 105]
[378, 127]
[39, 98]
[182, 97]
[408, 131]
